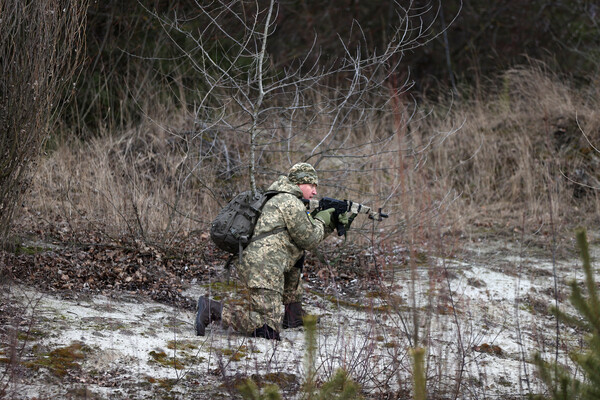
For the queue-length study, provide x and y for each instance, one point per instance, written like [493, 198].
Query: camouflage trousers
[248, 309]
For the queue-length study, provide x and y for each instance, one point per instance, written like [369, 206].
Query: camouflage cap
[303, 173]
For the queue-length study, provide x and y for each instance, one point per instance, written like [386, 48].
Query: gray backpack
[232, 230]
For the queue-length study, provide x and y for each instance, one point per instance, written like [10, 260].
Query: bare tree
[41, 47]
[306, 110]
[256, 112]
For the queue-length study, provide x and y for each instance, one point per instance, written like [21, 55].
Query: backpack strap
[261, 236]
[254, 239]
[265, 234]
[271, 194]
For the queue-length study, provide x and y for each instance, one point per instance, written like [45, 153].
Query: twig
[517, 320]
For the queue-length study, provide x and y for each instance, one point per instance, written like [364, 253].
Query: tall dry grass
[515, 149]
[530, 138]
[526, 140]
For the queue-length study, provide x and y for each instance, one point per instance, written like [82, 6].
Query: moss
[364, 306]
[421, 258]
[30, 250]
[526, 307]
[61, 360]
[281, 379]
[175, 323]
[182, 345]
[376, 295]
[167, 383]
[220, 286]
[161, 358]
[185, 354]
[33, 334]
[357, 306]
[98, 324]
[235, 354]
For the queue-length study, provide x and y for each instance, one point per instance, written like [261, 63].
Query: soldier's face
[309, 190]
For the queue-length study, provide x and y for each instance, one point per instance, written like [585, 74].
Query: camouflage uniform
[268, 277]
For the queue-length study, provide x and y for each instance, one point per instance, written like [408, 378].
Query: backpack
[232, 230]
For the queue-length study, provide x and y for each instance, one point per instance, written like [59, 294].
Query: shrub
[41, 45]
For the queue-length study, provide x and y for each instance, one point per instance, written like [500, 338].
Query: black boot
[207, 312]
[293, 315]
[266, 332]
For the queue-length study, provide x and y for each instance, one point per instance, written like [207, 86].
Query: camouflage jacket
[265, 261]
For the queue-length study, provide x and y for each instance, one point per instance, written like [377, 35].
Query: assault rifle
[342, 206]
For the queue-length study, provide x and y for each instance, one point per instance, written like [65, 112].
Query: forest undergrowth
[129, 210]
[523, 147]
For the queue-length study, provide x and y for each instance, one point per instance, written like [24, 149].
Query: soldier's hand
[346, 219]
[325, 217]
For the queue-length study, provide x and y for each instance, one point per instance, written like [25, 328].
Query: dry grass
[122, 184]
[493, 160]
[523, 143]
[496, 155]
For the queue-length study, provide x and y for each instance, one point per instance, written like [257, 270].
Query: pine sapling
[561, 384]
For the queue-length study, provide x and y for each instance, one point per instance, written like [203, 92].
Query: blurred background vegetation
[127, 48]
[489, 109]
[484, 123]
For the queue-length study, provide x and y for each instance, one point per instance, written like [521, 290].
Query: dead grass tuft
[529, 138]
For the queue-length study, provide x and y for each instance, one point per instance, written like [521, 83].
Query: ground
[116, 321]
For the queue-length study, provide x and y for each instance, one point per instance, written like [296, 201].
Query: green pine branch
[560, 383]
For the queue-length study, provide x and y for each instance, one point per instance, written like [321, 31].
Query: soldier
[270, 293]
